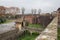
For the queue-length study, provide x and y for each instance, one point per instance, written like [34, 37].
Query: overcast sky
[44, 5]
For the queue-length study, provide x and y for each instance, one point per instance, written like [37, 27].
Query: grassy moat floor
[28, 36]
[35, 25]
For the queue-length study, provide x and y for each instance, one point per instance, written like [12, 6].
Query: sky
[45, 5]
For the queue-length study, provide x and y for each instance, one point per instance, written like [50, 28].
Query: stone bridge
[50, 33]
[11, 33]
[31, 30]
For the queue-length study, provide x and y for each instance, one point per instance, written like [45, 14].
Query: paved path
[7, 27]
[50, 33]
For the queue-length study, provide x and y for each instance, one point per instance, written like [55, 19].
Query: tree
[58, 10]
[32, 11]
[39, 11]
[2, 19]
[35, 10]
[23, 10]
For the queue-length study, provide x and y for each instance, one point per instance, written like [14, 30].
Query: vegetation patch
[2, 20]
[7, 21]
[28, 36]
[58, 34]
[35, 25]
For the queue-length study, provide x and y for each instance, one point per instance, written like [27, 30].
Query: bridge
[11, 33]
[31, 30]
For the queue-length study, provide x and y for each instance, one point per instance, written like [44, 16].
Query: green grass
[58, 37]
[58, 34]
[27, 36]
[58, 31]
[35, 25]
[7, 21]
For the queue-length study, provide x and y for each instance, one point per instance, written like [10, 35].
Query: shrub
[2, 20]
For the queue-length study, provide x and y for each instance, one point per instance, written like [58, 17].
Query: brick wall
[29, 18]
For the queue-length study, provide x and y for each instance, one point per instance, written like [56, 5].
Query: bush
[27, 32]
[35, 33]
[2, 20]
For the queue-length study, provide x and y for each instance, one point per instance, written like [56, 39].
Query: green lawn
[35, 25]
[27, 36]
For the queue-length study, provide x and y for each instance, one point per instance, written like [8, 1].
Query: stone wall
[11, 35]
[50, 33]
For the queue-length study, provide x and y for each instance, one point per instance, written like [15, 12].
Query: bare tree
[35, 10]
[39, 11]
[23, 10]
[32, 11]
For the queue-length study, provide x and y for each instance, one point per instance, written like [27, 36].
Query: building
[12, 10]
[54, 13]
[29, 18]
[2, 10]
[38, 19]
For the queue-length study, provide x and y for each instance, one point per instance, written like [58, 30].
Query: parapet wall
[11, 35]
